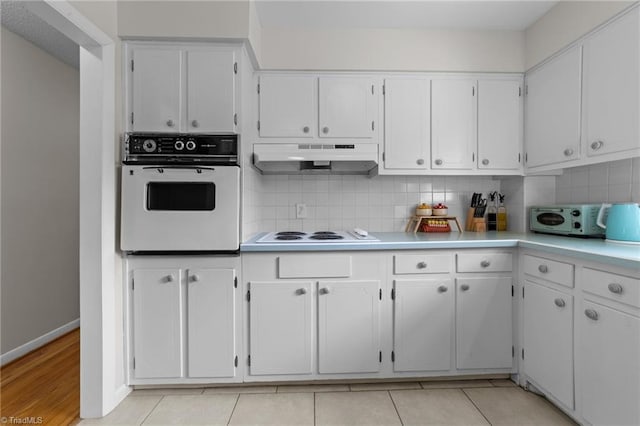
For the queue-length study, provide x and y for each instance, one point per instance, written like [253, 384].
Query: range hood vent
[293, 158]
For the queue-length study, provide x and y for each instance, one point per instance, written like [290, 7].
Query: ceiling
[416, 14]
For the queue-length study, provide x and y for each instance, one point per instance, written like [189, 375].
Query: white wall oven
[180, 193]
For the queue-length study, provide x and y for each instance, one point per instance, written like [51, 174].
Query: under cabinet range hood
[293, 158]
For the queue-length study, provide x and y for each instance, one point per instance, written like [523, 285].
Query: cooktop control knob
[575, 213]
[149, 145]
[191, 145]
[178, 145]
[577, 225]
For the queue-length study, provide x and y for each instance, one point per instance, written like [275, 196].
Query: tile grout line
[395, 407]
[152, 410]
[474, 404]
[234, 409]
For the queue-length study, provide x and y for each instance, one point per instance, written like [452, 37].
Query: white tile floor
[465, 402]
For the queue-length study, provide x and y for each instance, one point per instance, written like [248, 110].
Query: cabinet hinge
[373, 126]
[133, 284]
[249, 360]
[380, 356]
[258, 88]
[519, 157]
[235, 361]
[383, 156]
[235, 282]
[512, 291]
[131, 118]
[519, 91]
[513, 351]
[235, 68]
[522, 353]
[526, 157]
[473, 157]
[372, 89]
[393, 294]
[134, 363]
[393, 356]
[258, 124]
[380, 294]
[384, 89]
[235, 119]
[523, 292]
[248, 295]
[473, 91]
[132, 67]
[526, 90]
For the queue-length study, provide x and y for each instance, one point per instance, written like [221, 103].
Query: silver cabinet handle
[615, 288]
[324, 290]
[305, 129]
[420, 161]
[169, 278]
[438, 162]
[485, 263]
[170, 123]
[591, 314]
[195, 123]
[559, 302]
[422, 265]
[464, 287]
[485, 162]
[195, 278]
[543, 268]
[442, 289]
[301, 291]
[568, 152]
[596, 145]
[325, 130]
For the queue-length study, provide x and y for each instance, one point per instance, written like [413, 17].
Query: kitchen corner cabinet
[552, 130]
[181, 89]
[453, 124]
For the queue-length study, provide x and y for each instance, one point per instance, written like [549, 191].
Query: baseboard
[38, 342]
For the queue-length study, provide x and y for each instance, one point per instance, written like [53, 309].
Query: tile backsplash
[381, 203]
[613, 182]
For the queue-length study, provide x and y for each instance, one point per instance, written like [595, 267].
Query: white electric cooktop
[356, 235]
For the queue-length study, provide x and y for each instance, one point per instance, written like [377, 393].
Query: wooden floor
[44, 383]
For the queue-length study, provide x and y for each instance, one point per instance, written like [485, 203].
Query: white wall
[392, 49]
[40, 148]
[565, 23]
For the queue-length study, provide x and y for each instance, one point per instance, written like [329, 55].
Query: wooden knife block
[475, 224]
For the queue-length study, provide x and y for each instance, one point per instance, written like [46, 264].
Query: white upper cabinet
[347, 107]
[552, 120]
[211, 91]
[407, 125]
[288, 106]
[612, 87]
[179, 89]
[499, 124]
[156, 90]
[453, 124]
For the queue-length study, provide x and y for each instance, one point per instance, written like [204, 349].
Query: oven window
[181, 196]
[550, 219]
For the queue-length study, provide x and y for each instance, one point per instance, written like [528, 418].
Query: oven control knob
[149, 145]
[577, 225]
[178, 145]
[191, 145]
[575, 213]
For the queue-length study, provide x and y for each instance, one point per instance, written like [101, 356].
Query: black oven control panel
[162, 149]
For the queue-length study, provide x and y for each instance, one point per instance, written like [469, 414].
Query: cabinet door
[157, 323]
[548, 340]
[483, 323]
[348, 326]
[210, 91]
[610, 354]
[406, 124]
[453, 124]
[499, 124]
[347, 107]
[611, 87]
[423, 324]
[156, 90]
[552, 113]
[280, 335]
[288, 106]
[211, 323]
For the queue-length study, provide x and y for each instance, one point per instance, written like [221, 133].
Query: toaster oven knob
[575, 213]
[577, 225]
[191, 145]
[179, 145]
[149, 145]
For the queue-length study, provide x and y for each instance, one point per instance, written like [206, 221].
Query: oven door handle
[160, 169]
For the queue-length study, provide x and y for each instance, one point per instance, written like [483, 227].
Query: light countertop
[625, 255]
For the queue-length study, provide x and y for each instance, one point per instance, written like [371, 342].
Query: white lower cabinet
[610, 365]
[548, 340]
[423, 315]
[483, 323]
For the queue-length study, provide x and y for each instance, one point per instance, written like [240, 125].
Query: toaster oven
[568, 219]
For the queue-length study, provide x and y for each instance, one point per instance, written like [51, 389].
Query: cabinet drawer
[612, 286]
[314, 266]
[550, 270]
[485, 262]
[422, 264]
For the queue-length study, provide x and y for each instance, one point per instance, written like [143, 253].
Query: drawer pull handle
[195, 278]
[170, 123]
[301, 291]
[422, 265]
[442, 289]
[591, 314]
[195, 123]
[596, 145]
[324, 290]
[559, 302]
[325, 130]
[485, 263]
[305, 129]
[615, 288]
[568, 152]
[169, 278]
[464, 287]
[543, 268]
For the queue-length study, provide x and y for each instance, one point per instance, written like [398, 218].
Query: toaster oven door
[556, 220]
